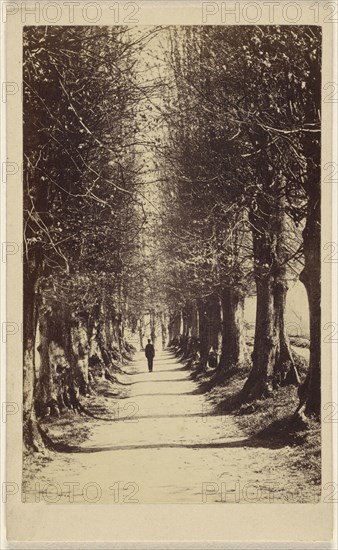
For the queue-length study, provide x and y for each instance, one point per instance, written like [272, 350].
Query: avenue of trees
[237, 158]
[243, 151]
[82, 215]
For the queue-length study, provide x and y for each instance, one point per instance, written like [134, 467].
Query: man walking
[150, 354]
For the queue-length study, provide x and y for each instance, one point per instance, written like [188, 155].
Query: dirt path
[165, 447]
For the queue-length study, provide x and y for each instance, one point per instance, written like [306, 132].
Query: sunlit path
[165, 446]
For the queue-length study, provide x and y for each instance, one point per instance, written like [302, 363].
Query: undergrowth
[272, 421]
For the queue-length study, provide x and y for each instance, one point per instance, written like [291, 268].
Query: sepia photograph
[169, 254]
[171, 264]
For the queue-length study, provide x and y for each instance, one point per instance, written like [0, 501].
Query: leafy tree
[248, 133]
[80, 207]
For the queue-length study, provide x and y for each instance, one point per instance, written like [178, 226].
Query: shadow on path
[230, 444]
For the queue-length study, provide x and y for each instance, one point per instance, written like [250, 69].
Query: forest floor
[154, 438]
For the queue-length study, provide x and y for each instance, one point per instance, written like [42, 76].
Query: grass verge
[272, 422]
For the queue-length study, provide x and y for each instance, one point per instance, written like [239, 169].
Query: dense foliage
[244, 150]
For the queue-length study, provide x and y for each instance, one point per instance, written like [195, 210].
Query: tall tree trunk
[285, 371]
[203, 329]
[164, 332]
[80, 354]
[46, 403]
[171, 329]
[234, 350]
[174, 327]
[185, 321]
[31, 433]
[310, 391]
[141, 333]
[108, 334]
[95, 356]
[185, 340]
[153, 327]
[265, 343]
[272, 358]
[194, 322]
[214, 320]
[116, 332]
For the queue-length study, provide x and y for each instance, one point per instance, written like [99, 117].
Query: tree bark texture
[234, 351]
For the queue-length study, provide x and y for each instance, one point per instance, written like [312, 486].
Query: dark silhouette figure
[150, 354]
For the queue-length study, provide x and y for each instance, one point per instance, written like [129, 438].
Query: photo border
[173, 524]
